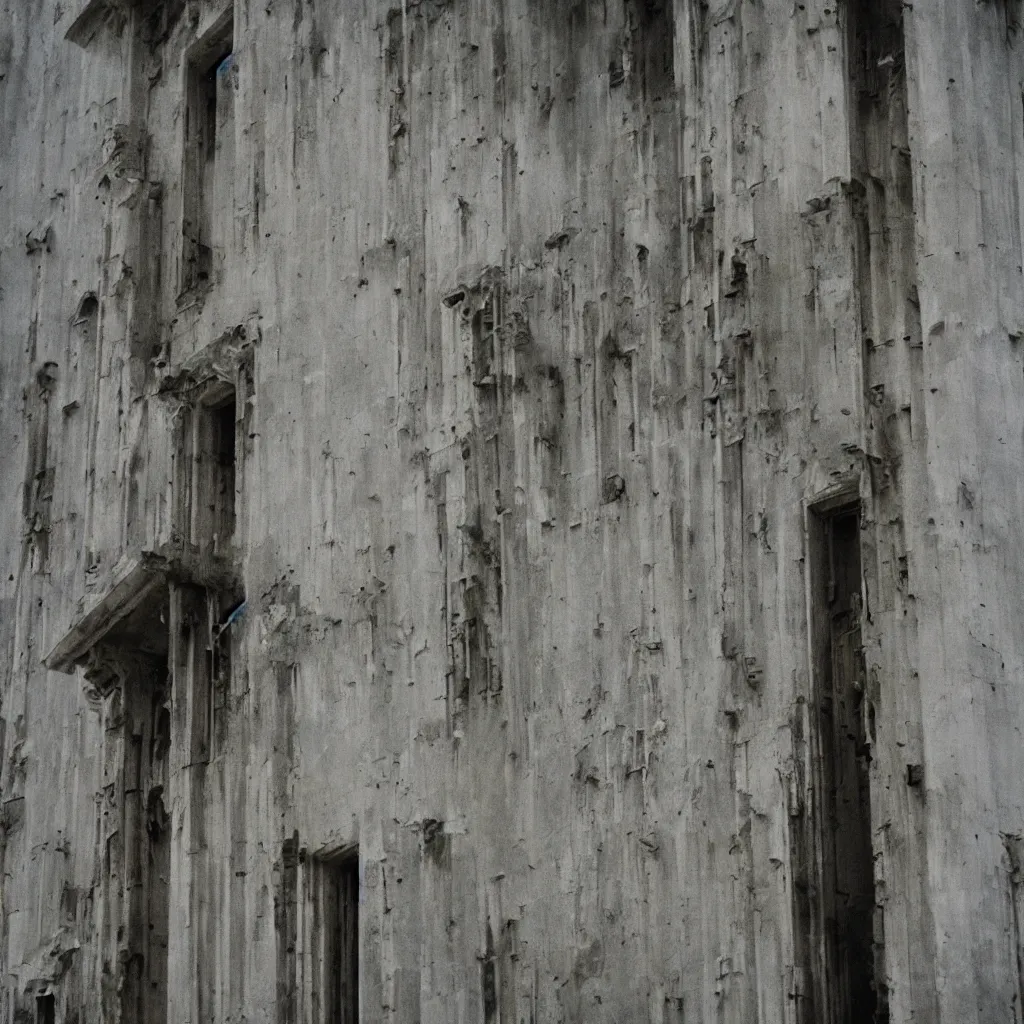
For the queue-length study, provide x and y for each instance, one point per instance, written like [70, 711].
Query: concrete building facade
[513, 511]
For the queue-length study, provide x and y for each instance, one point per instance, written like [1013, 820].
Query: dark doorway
[337, 917]
[46, 1011]
[845, 968]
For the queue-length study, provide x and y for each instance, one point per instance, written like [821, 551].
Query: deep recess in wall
[208, 165]
[208, 468]
[45, 1010]
[335, 899]
[837, 917]
[848, 893]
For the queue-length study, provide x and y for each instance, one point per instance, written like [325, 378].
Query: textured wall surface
[558, 330]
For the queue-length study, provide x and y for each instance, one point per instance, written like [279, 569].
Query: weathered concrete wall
[558, 329]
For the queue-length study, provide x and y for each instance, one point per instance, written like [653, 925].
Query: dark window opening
[489, 980]
[213, 483]
[222, 421]
[209, 147]
[212, 621]
[207, 478]
[484, 347]
[336, 921]
[848, 973]
[46, 1012]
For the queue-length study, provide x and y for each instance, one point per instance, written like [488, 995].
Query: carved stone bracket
[221, 361]
[109, 667]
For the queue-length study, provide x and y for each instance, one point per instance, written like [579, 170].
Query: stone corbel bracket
[221, 361]
[135, 579]
[470, 286]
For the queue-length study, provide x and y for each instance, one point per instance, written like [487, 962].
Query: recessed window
[207, 475]
[842, 925]
[222, 455]
[211, 483]
[209, 156]
[336, 938]
[46, 1012]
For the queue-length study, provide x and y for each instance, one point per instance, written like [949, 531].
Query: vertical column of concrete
[882, 197]
[965, 555]
[127, 323]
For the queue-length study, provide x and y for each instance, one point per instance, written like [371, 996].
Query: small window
[46, 1011]
[847, 969]
[209, 155]
[336, 925]
[222, 443]
[212, 483]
